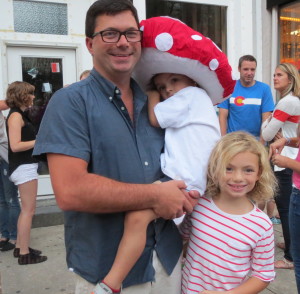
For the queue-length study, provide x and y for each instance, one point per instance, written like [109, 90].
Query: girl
[22, 166]
[229, 237]
[294, 211]
[285, 121]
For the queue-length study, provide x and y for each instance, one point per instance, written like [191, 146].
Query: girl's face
[167, 84]
[281, 80]
[242, 172]
[31, 97]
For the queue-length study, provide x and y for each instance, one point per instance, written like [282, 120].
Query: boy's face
[168, 84]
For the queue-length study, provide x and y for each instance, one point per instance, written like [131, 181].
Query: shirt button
[117, 91]
[123, 108]
[146, 163]
[110, 98]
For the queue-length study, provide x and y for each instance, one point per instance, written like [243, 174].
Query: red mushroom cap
[170, 46]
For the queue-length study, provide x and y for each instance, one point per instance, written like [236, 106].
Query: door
[48, 70]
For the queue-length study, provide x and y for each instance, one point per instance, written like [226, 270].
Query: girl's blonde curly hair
[229, 146]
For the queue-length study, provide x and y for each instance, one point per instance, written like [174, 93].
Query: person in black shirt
[22, 166]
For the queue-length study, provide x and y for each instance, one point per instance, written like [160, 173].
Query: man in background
[250, 104]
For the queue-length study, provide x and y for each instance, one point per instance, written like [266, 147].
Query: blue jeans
[294, 221]
[9, 204]
[282, 200]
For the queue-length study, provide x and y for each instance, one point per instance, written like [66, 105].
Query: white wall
[75, 39]
[248, 31]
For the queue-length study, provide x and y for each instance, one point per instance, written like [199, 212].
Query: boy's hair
[229, 146]
[151, 85]
[17, 94]
[108, 7]
[294, 77]
[247, 58]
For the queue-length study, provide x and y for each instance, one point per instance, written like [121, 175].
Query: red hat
[170, 46]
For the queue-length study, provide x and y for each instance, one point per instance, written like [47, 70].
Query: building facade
[43, 41]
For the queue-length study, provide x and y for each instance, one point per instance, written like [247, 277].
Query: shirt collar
[111, 90]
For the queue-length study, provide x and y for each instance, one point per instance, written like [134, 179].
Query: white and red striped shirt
[225, 249]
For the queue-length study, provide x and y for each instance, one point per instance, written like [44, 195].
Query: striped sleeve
[286, 111]
[263, 257]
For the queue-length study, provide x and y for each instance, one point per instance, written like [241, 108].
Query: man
[9, 202]
[103, 157]
[251, 102]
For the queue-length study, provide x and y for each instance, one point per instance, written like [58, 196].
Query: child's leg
[131, 246]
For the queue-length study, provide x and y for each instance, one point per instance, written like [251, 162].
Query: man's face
[247, 73]
[113, 60]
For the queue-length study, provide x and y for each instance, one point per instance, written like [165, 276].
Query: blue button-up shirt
[88, 120]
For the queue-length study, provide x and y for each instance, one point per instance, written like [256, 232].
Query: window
[40, 17]
[209, 20]
[289, 33]
[46, 75]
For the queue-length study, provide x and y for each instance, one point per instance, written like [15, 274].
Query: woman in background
[22, 166]
[284, 123]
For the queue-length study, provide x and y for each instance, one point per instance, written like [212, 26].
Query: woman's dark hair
[18, 94]
[108, 7]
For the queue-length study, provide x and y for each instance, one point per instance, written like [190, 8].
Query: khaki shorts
[162, 284]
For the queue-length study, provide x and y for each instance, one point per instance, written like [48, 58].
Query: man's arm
[76, 189]
[223, 115]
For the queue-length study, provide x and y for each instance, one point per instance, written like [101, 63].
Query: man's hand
[171, 201]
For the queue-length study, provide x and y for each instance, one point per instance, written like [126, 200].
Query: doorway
[48, 69]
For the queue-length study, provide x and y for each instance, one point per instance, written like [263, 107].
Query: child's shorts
[24, 173]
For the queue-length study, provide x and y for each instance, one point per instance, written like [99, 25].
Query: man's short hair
[108, 7]
[247, 58]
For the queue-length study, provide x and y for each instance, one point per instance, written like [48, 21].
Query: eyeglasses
[113, 36]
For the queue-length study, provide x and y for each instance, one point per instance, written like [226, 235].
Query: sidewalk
[53, 277]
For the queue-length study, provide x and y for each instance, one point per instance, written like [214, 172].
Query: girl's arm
[286, 162]
[15, 124]
[252, 286]
[277, 146]
[153, 100]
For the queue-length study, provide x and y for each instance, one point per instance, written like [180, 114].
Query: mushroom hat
[170, 46]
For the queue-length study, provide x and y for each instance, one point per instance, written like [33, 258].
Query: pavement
[53, 277]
